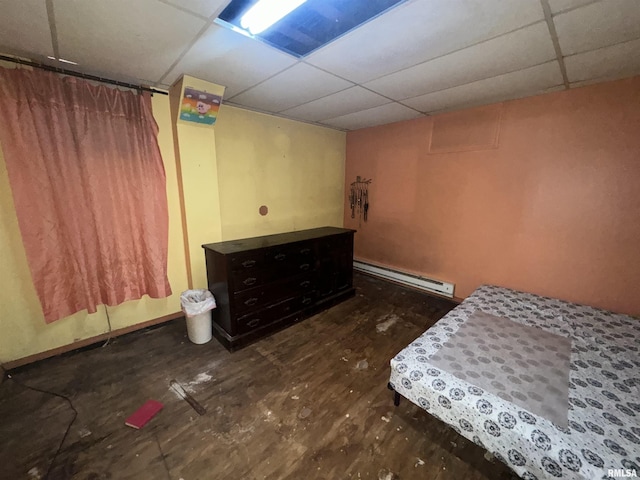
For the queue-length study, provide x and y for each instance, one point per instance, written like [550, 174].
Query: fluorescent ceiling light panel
[267, 12]
[300, 27]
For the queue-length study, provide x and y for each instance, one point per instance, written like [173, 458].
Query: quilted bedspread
[602, 431]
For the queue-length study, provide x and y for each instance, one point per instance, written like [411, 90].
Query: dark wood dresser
[263, 284]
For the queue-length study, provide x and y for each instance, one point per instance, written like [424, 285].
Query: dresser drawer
[297, 286]
[252, 321]
[250, 300]
[306, 252]
[242, 280]
[302, 266]
[292, 268]
[257, 298]
[306, 300]
[279, 255]
[248, 261]
[250, 278]
[265, 316]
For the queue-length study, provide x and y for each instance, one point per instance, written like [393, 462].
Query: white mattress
[604, 389]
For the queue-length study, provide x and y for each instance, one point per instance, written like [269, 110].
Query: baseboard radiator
[409, 279]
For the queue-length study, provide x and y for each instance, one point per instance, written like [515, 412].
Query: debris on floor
[419, 463]
[200, 410]
[383, 326]
[200, 378]
[34, 473]
[362, 365]
[386, 474]
[304, 413]
[488, 456]
[84, 432]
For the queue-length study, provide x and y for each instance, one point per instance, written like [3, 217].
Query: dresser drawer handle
[305, 284]
[279, 257]
[251, 301]
[250, 281]
[253, 322]
[305, 251]
[248, 263]
[304, 266]
[306, 300]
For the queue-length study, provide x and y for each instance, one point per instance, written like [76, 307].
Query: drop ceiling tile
[389, 113]
[530, 81]
[140, 39]
[598, 25]
[230, 59]
[347, 101]
[514, 51]
[562, 5]
[205, 8]
[617, 61]
[24, 28]
[417, 31]
[297, 85]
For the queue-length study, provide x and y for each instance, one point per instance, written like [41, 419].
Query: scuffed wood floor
[309, 402]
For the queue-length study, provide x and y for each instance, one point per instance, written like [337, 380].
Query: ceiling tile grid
[530, 81]
[299, 84]
[598, 25]
[204, 8]
[558, 6]
[616, 61]
[347, 101]
[388, 113]
[227, 58]
[24, 28]
[122, 37]
[514, 51]
[422, 56]
[420, 30]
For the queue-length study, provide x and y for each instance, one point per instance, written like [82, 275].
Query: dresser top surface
[244, 244]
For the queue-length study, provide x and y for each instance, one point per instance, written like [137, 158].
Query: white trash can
[197, 306]
[199, 328]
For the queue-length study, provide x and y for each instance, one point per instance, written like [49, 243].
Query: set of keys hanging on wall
[359, 198]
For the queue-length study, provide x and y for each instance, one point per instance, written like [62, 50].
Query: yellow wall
[23, 331]
[198, 181]
[247, 160]
[295, 169]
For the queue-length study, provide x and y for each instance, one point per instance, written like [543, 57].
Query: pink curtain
[88, 184]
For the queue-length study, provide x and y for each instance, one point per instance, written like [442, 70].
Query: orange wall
[553, 210]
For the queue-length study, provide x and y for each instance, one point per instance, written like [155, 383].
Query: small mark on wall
[263, 210]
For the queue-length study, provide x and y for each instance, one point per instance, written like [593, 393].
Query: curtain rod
[86, 76]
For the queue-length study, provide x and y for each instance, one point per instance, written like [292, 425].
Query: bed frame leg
[396, 395]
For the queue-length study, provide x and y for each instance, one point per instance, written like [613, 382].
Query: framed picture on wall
[199, 106]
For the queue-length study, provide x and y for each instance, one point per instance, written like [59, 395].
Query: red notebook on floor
[143, 414]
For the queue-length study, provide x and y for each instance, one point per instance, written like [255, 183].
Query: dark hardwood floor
[309, 402]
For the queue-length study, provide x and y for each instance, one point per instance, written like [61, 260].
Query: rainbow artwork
[199, 106]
